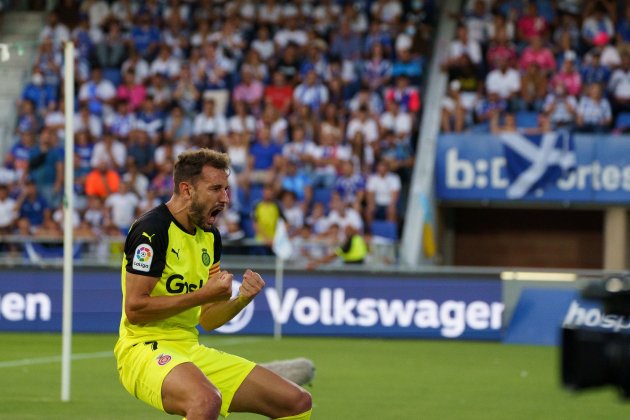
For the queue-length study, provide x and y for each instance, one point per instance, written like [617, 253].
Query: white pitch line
[99, 355]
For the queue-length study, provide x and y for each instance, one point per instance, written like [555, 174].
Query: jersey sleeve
[146, 246]
[218, 248]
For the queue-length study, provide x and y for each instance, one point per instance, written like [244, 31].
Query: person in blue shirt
[594, 72]
[36, 92]
[46, 168]
[298, 182]
[264, 158]
[31, 205]
[145, 37]
[407, 65]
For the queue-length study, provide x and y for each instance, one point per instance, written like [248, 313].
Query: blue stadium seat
[526, 119]
[384, 229]
[623, 120]
[248, 227]
[113, 75]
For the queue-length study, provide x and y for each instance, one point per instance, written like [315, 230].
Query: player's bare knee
[301, 402]
[206, 405]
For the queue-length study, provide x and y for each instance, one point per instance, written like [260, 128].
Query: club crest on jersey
[142, 258]
[163, 359]
[205, 257]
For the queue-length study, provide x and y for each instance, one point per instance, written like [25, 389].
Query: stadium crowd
[515, 62]
[316, 103]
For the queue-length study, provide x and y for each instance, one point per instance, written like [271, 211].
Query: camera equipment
[596, 352]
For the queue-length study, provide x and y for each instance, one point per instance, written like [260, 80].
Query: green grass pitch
[355, 379]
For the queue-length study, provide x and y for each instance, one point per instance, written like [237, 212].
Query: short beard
[197, 213]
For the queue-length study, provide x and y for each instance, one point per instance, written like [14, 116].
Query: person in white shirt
[8, 214]
[619, 85]
[122, 206]
[383, 191]
[504, 80]
[462, 52]
[312, 92]
[401, 123]
[98, 93]
[165, 63]
[55, 30]
[343, 214]
[364, 123]
[209, 121]
[110, 151]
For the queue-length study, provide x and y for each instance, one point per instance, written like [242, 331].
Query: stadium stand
[272, 84]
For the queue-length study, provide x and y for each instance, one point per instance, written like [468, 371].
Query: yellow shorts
[143, 367]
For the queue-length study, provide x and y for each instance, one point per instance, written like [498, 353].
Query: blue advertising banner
[550, 168]
[344, 305]
[541, 313]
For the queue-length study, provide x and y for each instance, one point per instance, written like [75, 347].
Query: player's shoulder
[155, 221]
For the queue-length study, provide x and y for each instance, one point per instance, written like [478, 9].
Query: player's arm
[141, 307]
[216, 314]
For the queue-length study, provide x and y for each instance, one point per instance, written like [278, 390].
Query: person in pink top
[530, 24]
[250, 91]
[568, 76]
[539, 54]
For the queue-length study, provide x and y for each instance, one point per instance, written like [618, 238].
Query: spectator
[398, 122]
[137, 65]
[141, 151]
[111, 151]
[279, 94]
[54, 119]
[131, 91]
[111, 52]
[299, 148]
[31, 205]
[83, 151]
[85, 121]
[397, 154]
[333, 121]
[453, 112]
[597, 21]
[500, 48]
[478, 22]
[296, 180]
[98, 94]
[364, 122]
[186, 93]
[263, 44]
[27, 120]
[312, 92]
[161, 92]
[149, 118]
[353, 250]
[492, 107]
[568, 76]
[8, 215]
[148, 202]
[531, 24]
[54, 30]
[623, 26]
[178, 127]
[290, 33]
[560, 107]
[165, 63]
[137, 181]
[369, 98]
[209, 121]
[264, 158]
[49, 60]
[533, 88]
[250, 91]
[162, 183]
[36, 92]
[145, 36]
[350, 186]
[292, 211]
[102, 180]
[389, 12]
[362, 154]
[594, 71]
[121, 122]
[346, 43]
[122, 206]
[377, 70]
[46, 168]
[538, 54]
[408, 97]
[462, 52]
[343, 214]
[21, 153]
[594, 114]
[242, 121]
[505, 81]
[407, 65]
[265, 216]
[383, 191]
[327, 156]
[619, 85]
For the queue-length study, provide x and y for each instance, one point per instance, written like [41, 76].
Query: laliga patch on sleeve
[142, 258]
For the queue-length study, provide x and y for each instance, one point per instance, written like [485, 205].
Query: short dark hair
[189, 165]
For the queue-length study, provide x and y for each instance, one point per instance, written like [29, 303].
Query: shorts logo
[163, 359]
[143, 257]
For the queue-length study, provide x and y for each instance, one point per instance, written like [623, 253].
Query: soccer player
[172, 281]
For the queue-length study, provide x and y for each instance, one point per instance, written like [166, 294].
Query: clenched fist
[252, 285]
[218, 287]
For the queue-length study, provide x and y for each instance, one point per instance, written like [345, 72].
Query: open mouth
[214, 213]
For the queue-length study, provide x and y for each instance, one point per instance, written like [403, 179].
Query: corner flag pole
[66, 331]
